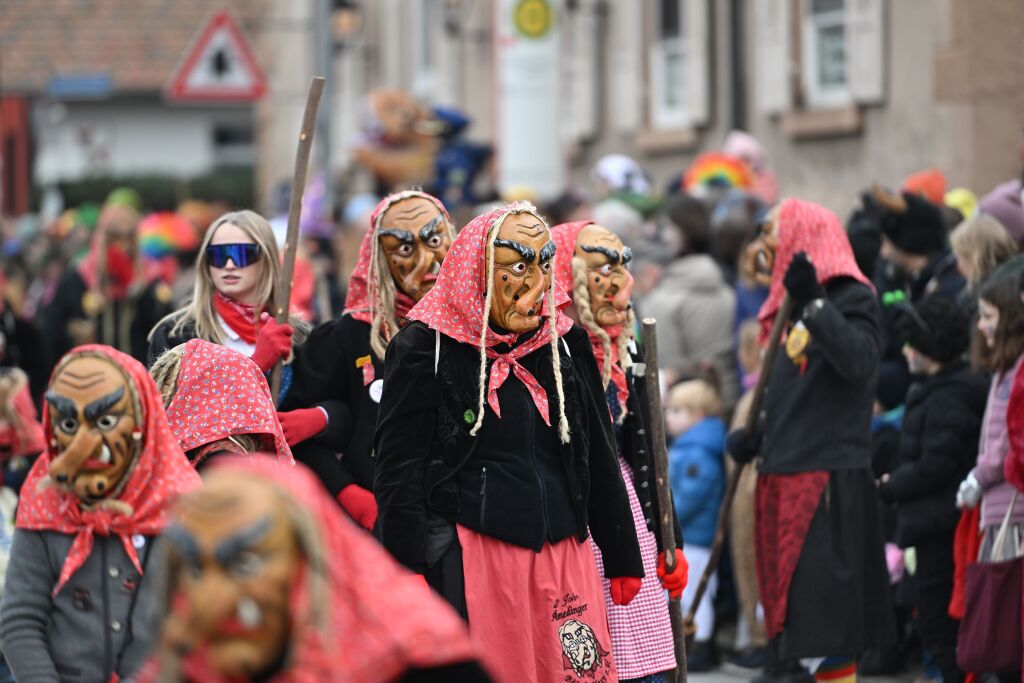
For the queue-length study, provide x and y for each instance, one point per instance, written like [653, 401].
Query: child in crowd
[938, 442]
[696, 473]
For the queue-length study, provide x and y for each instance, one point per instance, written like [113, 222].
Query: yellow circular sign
[534, 18]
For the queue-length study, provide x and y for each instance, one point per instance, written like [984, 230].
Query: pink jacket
[992, 450]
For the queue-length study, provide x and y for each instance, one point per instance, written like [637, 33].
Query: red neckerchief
[119, 267]
[161, 472]
[381, 620]
[819, 233]
[242, 318]
[222, 393]
[618, 377]
[359, 298]
[455, 308]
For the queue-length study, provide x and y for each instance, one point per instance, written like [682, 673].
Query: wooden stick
[284, 286]
[781, 318]
[666, 523]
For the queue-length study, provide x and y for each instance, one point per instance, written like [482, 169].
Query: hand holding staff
[666, 522]
[284, 287]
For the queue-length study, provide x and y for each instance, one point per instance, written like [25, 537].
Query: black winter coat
[817, 414]
[938, 446]
[534, 490]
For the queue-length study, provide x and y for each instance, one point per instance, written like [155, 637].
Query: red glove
[624, 589]
[273, 342]
[302, 424]
[360, 505]
[675, 581]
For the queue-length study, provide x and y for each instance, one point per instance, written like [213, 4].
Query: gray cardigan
[79, 635]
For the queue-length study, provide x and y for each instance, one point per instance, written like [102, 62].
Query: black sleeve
[406, 422]
[322, 379]
[466, 672]
[950, 434]
[849, 331]
[611, 519]
[160, 341]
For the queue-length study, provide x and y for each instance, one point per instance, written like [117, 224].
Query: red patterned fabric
[221, 393]
[819, 233]
[564, 236]
[24, 437]
[455, 307]
[160, 474]
[360, 297]
[786, 503]
[381, 620]
[242, 318]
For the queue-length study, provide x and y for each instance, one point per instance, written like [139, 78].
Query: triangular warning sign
[218, 65]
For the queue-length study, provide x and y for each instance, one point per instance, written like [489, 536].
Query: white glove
[969, 494]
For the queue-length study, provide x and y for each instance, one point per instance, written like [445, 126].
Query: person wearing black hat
[938, 444]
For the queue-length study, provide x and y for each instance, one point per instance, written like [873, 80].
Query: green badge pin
[469, 416]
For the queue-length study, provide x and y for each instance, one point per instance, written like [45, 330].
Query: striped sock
[837, 670]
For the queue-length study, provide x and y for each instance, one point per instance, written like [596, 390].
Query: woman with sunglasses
[236, 285]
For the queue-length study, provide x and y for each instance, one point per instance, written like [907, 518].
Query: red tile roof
[137, 43]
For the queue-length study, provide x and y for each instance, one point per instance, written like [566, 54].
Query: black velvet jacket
[817, 414]
[535, 490]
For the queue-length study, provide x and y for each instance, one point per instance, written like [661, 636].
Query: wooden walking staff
[284, 287]
[781, 318]
[666, 523]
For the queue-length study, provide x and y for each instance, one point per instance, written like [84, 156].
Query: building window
[668, 66]
[234, 144]
[825, 64]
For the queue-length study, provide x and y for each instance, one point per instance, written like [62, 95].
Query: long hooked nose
[423, 264]
[622, 289]
[528, 302]
[65, 467]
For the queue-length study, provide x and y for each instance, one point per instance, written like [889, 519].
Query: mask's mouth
[99, 462]
[247, 618]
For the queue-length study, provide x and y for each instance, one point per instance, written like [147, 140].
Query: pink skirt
[642, 630]
[537, 617]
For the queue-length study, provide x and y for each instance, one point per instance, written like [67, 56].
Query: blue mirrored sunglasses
[241, 255]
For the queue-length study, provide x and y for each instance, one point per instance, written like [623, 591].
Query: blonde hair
[200, 311]
[581, 300]
[984, 242]
[165, 373]
[381, 285]
[556, 359]
[696, 395]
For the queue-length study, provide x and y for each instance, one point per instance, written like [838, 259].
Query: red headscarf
[564, 236]
[160, 474]
[221, 393]
[381, 620]
[455, 307]
[819, 233]
[360, 297]
[23, 431]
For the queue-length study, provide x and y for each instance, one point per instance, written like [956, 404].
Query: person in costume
[267, 581]
[495, 454]
[79, 600]
[21, 434]
[821, 567]
[106, 299]
[591, 263]
[218, 402]
[409, 234]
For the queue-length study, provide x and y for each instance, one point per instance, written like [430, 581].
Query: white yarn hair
[556, 364]
[585, 312]
[381, 285]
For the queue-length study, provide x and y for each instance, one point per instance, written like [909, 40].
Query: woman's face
[239, 283]
[988, 321]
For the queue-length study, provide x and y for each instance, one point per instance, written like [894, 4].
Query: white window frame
[819, 95]
[666, 116]
[424, 55]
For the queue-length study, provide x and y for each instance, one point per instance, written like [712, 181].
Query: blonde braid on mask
[492, 233]
[556, 366]
[581, 299]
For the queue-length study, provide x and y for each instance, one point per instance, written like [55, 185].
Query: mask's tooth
[249, 613]
[105, 455]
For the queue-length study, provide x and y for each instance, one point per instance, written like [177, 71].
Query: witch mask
[95, 417]
[601, 262]
[521, 267]
[760, 253]
[234, 564]
[414, 238]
